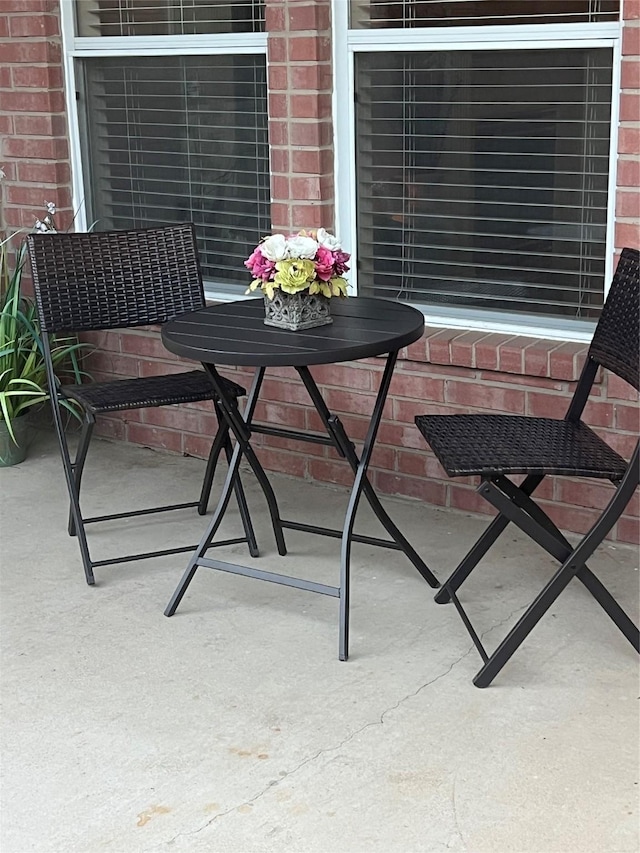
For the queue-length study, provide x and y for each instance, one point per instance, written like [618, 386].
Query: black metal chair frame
[113, 280]
[579, 452]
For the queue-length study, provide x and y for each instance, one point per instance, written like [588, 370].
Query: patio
[233, 727]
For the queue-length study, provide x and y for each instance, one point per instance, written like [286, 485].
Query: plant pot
[294, 311]
[13, 452]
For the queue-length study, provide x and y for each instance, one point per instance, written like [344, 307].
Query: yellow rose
[294, 275]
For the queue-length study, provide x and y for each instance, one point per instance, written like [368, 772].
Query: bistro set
[122, 279]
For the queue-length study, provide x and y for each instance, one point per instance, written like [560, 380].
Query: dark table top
[235, 334]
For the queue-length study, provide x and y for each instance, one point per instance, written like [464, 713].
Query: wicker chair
[494, 446]
[113, 280]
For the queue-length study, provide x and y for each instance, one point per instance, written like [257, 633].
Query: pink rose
[324, 263]
[260, 266]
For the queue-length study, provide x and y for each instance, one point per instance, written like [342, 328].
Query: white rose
[302, 247]
[329, 241]
[274, 248]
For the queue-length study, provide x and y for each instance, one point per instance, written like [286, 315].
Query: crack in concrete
[379, 722]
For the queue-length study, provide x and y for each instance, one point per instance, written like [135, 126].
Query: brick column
[34, 150]
[300, 121]
[628, 180]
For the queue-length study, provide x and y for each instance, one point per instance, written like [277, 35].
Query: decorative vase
[12, 453]
[294, 311]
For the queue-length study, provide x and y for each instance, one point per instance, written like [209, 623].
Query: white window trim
[346, 43]
[75, 47]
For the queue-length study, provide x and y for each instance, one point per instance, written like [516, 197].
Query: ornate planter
[296, 311]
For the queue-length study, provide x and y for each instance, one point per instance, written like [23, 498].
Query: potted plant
[23, 378]
[298, 276]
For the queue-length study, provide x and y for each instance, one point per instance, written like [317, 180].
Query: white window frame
[76, 47]
[347, 43]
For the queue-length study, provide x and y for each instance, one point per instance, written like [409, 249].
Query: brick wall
[34, 147]
[447, 371]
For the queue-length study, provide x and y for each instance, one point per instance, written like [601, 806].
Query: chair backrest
[115, 279]
[616, 340]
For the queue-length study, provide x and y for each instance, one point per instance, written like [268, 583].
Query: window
[172, 119]
[482, 156]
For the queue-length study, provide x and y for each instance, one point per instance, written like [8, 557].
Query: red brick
[5, 77]
[629, 140]
[627, 234]
[146, 345]
[484, 396]
[426, 491]
[278, 78]
[41, 125]
[40, 149]
[286, 463]
[584, 493]
[630, 74]
[30, 51]
[197, 446]
[147, 367]
[4, 26]
[565, 362]
[546, 405]
[631, 41]
[462, 348]
[511, 355]
[401, 435]
[278, 415]
[28, 26]
[150, 436]
[314, 105]
[628, 530]
[627, 418]
[44, 173]
[467, 499]
[280, 187]
[178, 418]
[278, 107]
[631, 10]
[276, 49]
[419, 387]
[598, 413]
[280, 216]
[313, 215]
[6, 125]
[309, 48]
[35, 102]
[33, 6]
[284, 392]
[316, 77]
[279, 160]
[439, 351]
[487, 351]
[311, 133]
[404, 411]
[629, 107]
[629, 173]
[342, 400]
[305, 188]
[37, 76]
[275, 19]
[343, 376]
[111, 427]
[278, 132]
[313, 16]
[628, 203]
[618, 389]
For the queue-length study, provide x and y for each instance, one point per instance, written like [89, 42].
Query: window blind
[168, 17]
[174, 139]
[435, 13]
[482, 178]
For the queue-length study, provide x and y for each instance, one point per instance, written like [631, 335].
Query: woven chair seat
[489, 445]
[147, 392]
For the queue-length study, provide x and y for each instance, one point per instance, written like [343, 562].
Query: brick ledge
[503, 353]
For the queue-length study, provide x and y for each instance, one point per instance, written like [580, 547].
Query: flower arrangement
[309, 260]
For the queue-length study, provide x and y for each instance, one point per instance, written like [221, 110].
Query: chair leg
[480, 548]
[242, 504]
[78, 464]
[573, 563]
[72, 488]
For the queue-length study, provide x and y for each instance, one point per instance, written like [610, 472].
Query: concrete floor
[233, 726]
